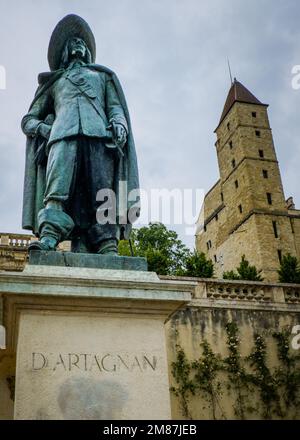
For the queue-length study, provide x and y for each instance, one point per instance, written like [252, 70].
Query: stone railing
[239, 291]
[14, 250]
[15, 240]
[22, 241]
[292, 294]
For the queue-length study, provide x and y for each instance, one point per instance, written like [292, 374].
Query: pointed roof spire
[238, 93]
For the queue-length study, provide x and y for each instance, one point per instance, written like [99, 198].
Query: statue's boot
[108, 247]
[44, 244]
[103, 239]
[55, 226]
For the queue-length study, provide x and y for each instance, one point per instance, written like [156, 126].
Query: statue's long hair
[65, 58]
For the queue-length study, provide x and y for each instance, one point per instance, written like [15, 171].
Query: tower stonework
[245, 212]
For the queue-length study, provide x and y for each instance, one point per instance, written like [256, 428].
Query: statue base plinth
[71, 259]
[90, 343]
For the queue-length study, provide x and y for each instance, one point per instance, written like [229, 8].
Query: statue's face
[77, 48]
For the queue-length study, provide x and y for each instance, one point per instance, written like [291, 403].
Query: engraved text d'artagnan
[91, 362]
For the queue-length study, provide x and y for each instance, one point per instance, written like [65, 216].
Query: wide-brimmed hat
[70, 26]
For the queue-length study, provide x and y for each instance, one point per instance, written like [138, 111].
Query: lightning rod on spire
[229, 71]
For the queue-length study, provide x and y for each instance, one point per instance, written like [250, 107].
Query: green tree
[289, 271]
[231, 275]
[244, 272]
[165, 252]
[197, 265]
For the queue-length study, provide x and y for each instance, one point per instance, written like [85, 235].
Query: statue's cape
[35, 175]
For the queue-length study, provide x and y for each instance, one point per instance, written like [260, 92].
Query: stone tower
[245, 212]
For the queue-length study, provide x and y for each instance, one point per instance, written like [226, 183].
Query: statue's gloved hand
[44, 130]
[120, 134]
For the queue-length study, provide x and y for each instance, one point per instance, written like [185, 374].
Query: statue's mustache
[77, 49]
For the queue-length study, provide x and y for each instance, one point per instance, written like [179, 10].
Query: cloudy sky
[171, 58]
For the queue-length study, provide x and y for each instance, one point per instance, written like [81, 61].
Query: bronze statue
[79, 141]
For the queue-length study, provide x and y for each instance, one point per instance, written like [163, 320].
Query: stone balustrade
[242, 291]
[292, 294]
[15, 240]
[22, 241]
[14, 250]
[238, 291]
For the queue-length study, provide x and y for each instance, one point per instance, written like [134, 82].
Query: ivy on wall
[211, 376]
[181, 370]
[206, 378]
[238, 379]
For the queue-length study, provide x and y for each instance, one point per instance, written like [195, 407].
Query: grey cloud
[171, 57]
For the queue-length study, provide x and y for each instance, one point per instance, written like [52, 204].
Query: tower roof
[238, 93]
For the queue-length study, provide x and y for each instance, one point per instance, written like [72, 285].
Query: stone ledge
[106, 292]
[71, 259]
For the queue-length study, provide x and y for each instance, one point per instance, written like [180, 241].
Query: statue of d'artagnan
[79, 141]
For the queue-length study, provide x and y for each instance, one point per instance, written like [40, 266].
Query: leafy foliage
[287, 374]
[181, 371]
[238, 378]
[206, 377]
[197, 265]
[231, 275]
[289, 271]
[166, 253]
[264, 379]
[244, 272]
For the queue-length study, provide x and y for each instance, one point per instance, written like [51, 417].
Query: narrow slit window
[236, 183]
[279, 255]
[240, 209]
[275, 229]
[265, 174]
[292, 226]
[233, 163]
[261, 153]
[269, 198]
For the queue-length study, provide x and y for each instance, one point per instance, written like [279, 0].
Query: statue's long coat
[35, 175]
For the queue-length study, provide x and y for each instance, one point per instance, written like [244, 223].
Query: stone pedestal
[90, 343]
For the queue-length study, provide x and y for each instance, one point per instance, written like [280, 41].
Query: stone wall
[255, 308]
